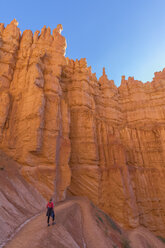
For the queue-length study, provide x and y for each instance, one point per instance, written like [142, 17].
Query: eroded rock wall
[73, 133]
[117, 140]
[35, 119]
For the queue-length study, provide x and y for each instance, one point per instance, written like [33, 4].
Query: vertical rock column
[84, 154]
[143, 139]
[37, 121]
[9, 44]
[116, 194]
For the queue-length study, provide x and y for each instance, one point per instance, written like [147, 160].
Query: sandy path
[36, 234]
[76, 227]
[35, 230]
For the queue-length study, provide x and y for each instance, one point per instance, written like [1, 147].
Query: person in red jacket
[50, 212]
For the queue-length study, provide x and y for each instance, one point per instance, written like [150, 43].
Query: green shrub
[112, 223]
[100, 219]
[161, 238]
[125, 243]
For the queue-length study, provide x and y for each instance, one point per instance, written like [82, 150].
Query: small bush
[161, 238]
[125, 243]
[100, 219]
[112, 223]
[1, 168]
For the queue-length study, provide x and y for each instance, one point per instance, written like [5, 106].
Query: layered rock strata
[19, 201]
[74, 133]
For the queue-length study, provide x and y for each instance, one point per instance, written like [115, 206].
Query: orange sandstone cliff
[78, 135]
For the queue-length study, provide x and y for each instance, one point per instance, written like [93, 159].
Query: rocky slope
[79, 224]
[80, 135]
[19, 201]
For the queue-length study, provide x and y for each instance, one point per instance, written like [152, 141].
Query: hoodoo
[74, 134]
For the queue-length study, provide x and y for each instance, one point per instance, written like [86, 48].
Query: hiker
[50, 212]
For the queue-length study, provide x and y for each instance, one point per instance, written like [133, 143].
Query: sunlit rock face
[34, 120]
[73, 133]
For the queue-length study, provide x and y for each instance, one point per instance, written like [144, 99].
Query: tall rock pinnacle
[75, 134]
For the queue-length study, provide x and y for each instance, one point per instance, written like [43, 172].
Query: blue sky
[125, 36]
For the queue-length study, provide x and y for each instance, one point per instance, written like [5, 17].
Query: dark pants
[50, 213]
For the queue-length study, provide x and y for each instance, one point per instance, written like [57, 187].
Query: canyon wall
[74, 134]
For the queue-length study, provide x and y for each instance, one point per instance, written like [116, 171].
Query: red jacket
[50, 205]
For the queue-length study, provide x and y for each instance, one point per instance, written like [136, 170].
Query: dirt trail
[37, 234]
[77, 227]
